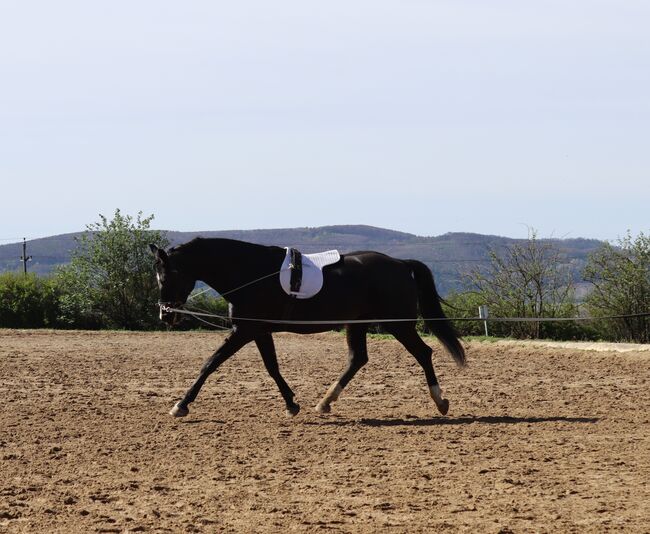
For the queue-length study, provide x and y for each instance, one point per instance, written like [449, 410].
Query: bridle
[170, 306]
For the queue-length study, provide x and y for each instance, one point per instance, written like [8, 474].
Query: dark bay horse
[361, 286]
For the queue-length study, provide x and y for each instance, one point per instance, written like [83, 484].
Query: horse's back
[376, 264]
[387, 283]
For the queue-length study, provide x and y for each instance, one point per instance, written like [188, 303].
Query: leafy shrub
[465, 305]
[29, 301]
[620, 276]
[530, 281]
[207, 302]
[110, 281]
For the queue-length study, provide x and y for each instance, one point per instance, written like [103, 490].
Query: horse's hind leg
[357, 358]
[408, 336]
[266, 347]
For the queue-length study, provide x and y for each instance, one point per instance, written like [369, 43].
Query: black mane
[207, 245]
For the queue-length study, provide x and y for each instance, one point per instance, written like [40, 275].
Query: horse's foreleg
[422, 353]
[266, 347]
[235, 341]
[357, 358]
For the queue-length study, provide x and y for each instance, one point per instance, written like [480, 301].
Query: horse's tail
[431, 309]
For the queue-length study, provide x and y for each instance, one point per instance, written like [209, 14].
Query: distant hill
[449, 256]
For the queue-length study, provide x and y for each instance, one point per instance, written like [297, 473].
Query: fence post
[483, 314]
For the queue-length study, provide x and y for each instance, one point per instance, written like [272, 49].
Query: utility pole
[25, 258]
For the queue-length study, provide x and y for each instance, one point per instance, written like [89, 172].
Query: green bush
[110, 281]
[465, 305]
[620, 278]
[29, 301]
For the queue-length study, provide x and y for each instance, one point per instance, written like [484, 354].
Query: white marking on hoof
[178, 410]
[293, 411]
[332, 394]
[441, 403]
[323, 408]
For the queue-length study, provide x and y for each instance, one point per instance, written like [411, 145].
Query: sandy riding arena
[545, 439]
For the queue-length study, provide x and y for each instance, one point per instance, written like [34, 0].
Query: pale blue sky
[421, 116]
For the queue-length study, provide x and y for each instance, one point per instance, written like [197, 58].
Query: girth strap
[296, 270]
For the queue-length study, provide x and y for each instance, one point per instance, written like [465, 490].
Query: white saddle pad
[312, 272]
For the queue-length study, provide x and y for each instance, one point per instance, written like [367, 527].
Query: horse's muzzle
[167, 315]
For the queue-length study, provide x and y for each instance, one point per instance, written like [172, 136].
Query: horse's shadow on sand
[461, 420]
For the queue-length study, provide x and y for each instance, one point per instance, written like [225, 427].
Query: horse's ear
[159, 253]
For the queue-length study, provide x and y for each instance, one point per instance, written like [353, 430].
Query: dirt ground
[537, 438]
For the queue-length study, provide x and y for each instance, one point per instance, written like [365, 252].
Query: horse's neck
[227, 266]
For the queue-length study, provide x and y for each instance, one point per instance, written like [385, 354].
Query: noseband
[168, 307]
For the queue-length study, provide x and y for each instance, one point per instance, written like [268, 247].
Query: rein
[253, 282]
[179, 307]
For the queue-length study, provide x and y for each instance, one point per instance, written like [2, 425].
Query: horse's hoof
[179, 411]
[293, 410]
[443, 406]
[323, 408]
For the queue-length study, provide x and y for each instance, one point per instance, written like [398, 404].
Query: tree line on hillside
[110, 283]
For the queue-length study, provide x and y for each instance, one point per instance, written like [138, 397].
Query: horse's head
[175, 286]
